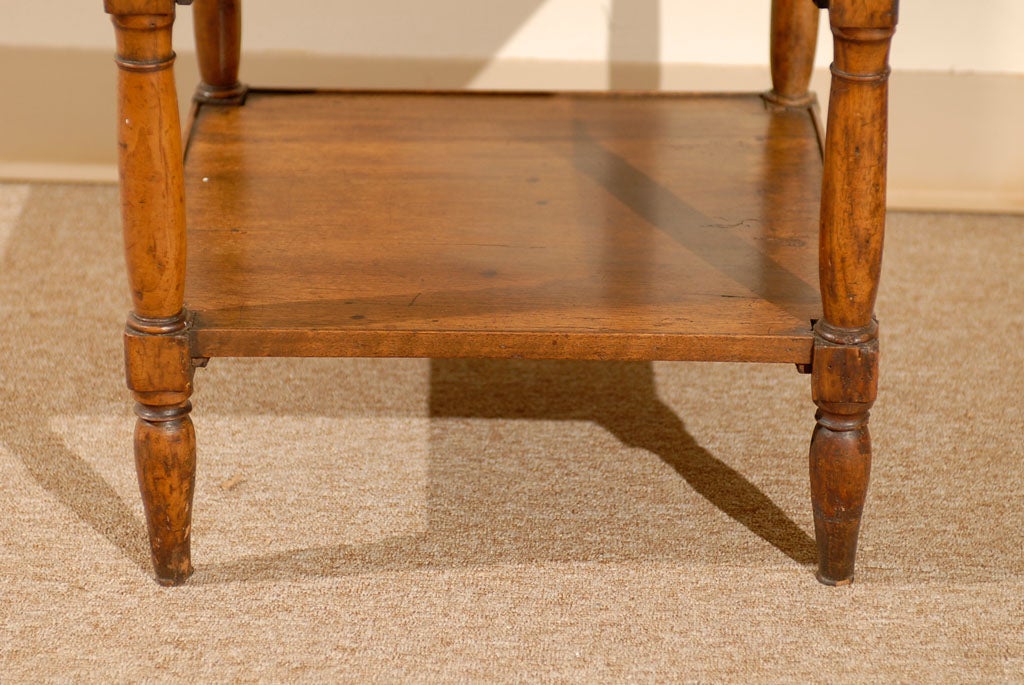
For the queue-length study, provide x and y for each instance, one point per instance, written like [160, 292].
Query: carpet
[363, 520]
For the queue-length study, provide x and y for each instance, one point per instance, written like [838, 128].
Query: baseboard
[956, 142]
[58, 171]
[974, 201]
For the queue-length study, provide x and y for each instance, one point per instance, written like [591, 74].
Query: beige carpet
[458, 521]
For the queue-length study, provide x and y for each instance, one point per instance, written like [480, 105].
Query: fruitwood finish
[218, 29]
[794, 39]
[157, 357]
[514, 226]
[844, 383]
[584, 226]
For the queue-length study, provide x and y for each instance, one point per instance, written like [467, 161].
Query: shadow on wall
[634, 45]
[439, 51]
[67, 118]
[59, 118]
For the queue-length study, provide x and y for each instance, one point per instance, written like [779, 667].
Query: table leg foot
[165, 459]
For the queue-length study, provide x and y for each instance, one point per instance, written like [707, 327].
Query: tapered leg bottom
[837, 549]
[840, 464]
[165, 459]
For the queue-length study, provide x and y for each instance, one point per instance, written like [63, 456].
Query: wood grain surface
[504, 225]
[158, 363]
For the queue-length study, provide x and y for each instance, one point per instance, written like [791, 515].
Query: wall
[957, 89]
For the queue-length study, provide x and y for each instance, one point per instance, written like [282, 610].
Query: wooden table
[622, 226]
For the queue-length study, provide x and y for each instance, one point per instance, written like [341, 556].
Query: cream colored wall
[934, 35]
[958, 89]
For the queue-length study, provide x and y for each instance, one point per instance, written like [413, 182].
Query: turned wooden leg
[844, 385]
[159, 370]
[165, 458]
[845, 365]
[218, 29]
[158, 362]
[794, 38]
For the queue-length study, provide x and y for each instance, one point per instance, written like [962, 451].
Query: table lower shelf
[584, 226]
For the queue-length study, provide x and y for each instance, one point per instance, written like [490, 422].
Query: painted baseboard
[58, 171]
[955, 138]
